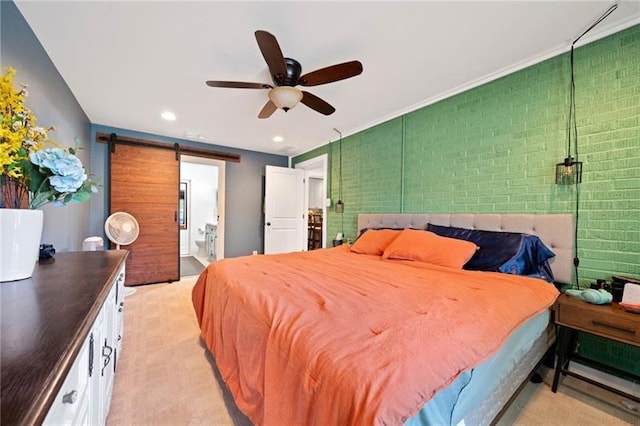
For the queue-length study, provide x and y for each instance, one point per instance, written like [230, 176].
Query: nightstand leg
[563, 346]
[550, 357]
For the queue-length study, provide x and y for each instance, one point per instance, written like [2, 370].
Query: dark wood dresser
[45, 321]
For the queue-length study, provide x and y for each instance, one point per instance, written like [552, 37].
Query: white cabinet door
[108, 351]
[96, 411]
[284, 217]
[119, 315]
[105, 331]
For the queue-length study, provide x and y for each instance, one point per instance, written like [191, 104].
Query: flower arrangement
[34, 170]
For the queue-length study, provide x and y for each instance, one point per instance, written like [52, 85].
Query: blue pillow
[508, 252]
[496, 248]
[531, 260]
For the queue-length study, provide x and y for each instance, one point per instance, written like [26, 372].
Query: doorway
[315, 200]
[202, 228]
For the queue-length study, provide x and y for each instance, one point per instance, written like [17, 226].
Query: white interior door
[284, 215]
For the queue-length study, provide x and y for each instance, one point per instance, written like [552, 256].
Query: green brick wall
[494, 149]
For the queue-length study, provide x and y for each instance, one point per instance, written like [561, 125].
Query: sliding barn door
[144, 181]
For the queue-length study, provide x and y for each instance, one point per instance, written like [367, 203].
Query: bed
[338, 337]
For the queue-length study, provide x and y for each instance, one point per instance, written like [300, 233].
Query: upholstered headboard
[555, 230]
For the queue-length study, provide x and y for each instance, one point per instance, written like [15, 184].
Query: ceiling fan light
[285, 97]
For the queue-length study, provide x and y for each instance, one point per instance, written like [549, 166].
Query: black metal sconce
[339, 204]
[569, 172]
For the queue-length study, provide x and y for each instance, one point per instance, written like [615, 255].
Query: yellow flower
[21, 140]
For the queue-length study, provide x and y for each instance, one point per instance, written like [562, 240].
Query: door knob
[268, 223]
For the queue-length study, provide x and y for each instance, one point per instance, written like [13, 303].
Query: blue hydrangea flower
[67, 170]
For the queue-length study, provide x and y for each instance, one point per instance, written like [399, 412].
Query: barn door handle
[175, 215]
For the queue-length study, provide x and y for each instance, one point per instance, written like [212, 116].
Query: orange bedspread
[331, 337]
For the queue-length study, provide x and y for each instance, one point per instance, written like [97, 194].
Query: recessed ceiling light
[168, 115]
[202, 137]
[188, 134]
[278, 139]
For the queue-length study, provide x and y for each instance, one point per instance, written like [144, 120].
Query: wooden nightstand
[607, 321]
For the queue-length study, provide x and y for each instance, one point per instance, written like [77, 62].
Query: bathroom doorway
[202, 183]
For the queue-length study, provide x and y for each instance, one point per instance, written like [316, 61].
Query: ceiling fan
[285, 73]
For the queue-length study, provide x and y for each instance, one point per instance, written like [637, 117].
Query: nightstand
[607, 321]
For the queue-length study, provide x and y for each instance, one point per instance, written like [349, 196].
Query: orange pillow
[374, 241]
[425, 246]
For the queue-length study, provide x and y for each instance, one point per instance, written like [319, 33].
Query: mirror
[182, 205]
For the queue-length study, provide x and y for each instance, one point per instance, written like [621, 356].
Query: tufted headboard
[555, 230]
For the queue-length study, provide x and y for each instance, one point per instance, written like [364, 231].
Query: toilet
[201, 249]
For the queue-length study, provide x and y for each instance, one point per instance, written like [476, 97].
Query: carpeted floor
[190, 266]
[165, 376]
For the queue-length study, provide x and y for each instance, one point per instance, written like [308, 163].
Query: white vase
[20, 234]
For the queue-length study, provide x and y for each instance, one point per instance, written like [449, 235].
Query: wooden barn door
[144, 181]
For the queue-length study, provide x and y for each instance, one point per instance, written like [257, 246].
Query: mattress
[272, 323]
[478, 395]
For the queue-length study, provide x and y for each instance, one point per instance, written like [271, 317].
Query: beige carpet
[166, 377]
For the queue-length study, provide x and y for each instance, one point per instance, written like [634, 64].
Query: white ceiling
[126, 62]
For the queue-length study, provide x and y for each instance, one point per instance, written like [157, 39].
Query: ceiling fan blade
[268, 109]
[331, 74]
[238, 85]
[314, 102]
[272, 54]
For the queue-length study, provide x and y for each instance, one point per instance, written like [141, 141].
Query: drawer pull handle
[91, 344]
[70, 397]
[614, 326]
[107, 351]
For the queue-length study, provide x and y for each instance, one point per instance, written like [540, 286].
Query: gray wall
[53, 104]
[244, 181]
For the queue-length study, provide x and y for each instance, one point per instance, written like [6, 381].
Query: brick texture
[494, 149]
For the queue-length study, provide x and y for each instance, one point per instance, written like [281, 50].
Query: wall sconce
[340, 205]
[569, 172]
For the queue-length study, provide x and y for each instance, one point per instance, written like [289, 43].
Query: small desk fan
[122, 229]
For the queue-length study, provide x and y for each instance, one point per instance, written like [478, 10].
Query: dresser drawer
[72, 401]
[600, 323]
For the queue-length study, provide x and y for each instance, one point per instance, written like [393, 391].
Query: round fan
[286, 75]
[121, 229]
